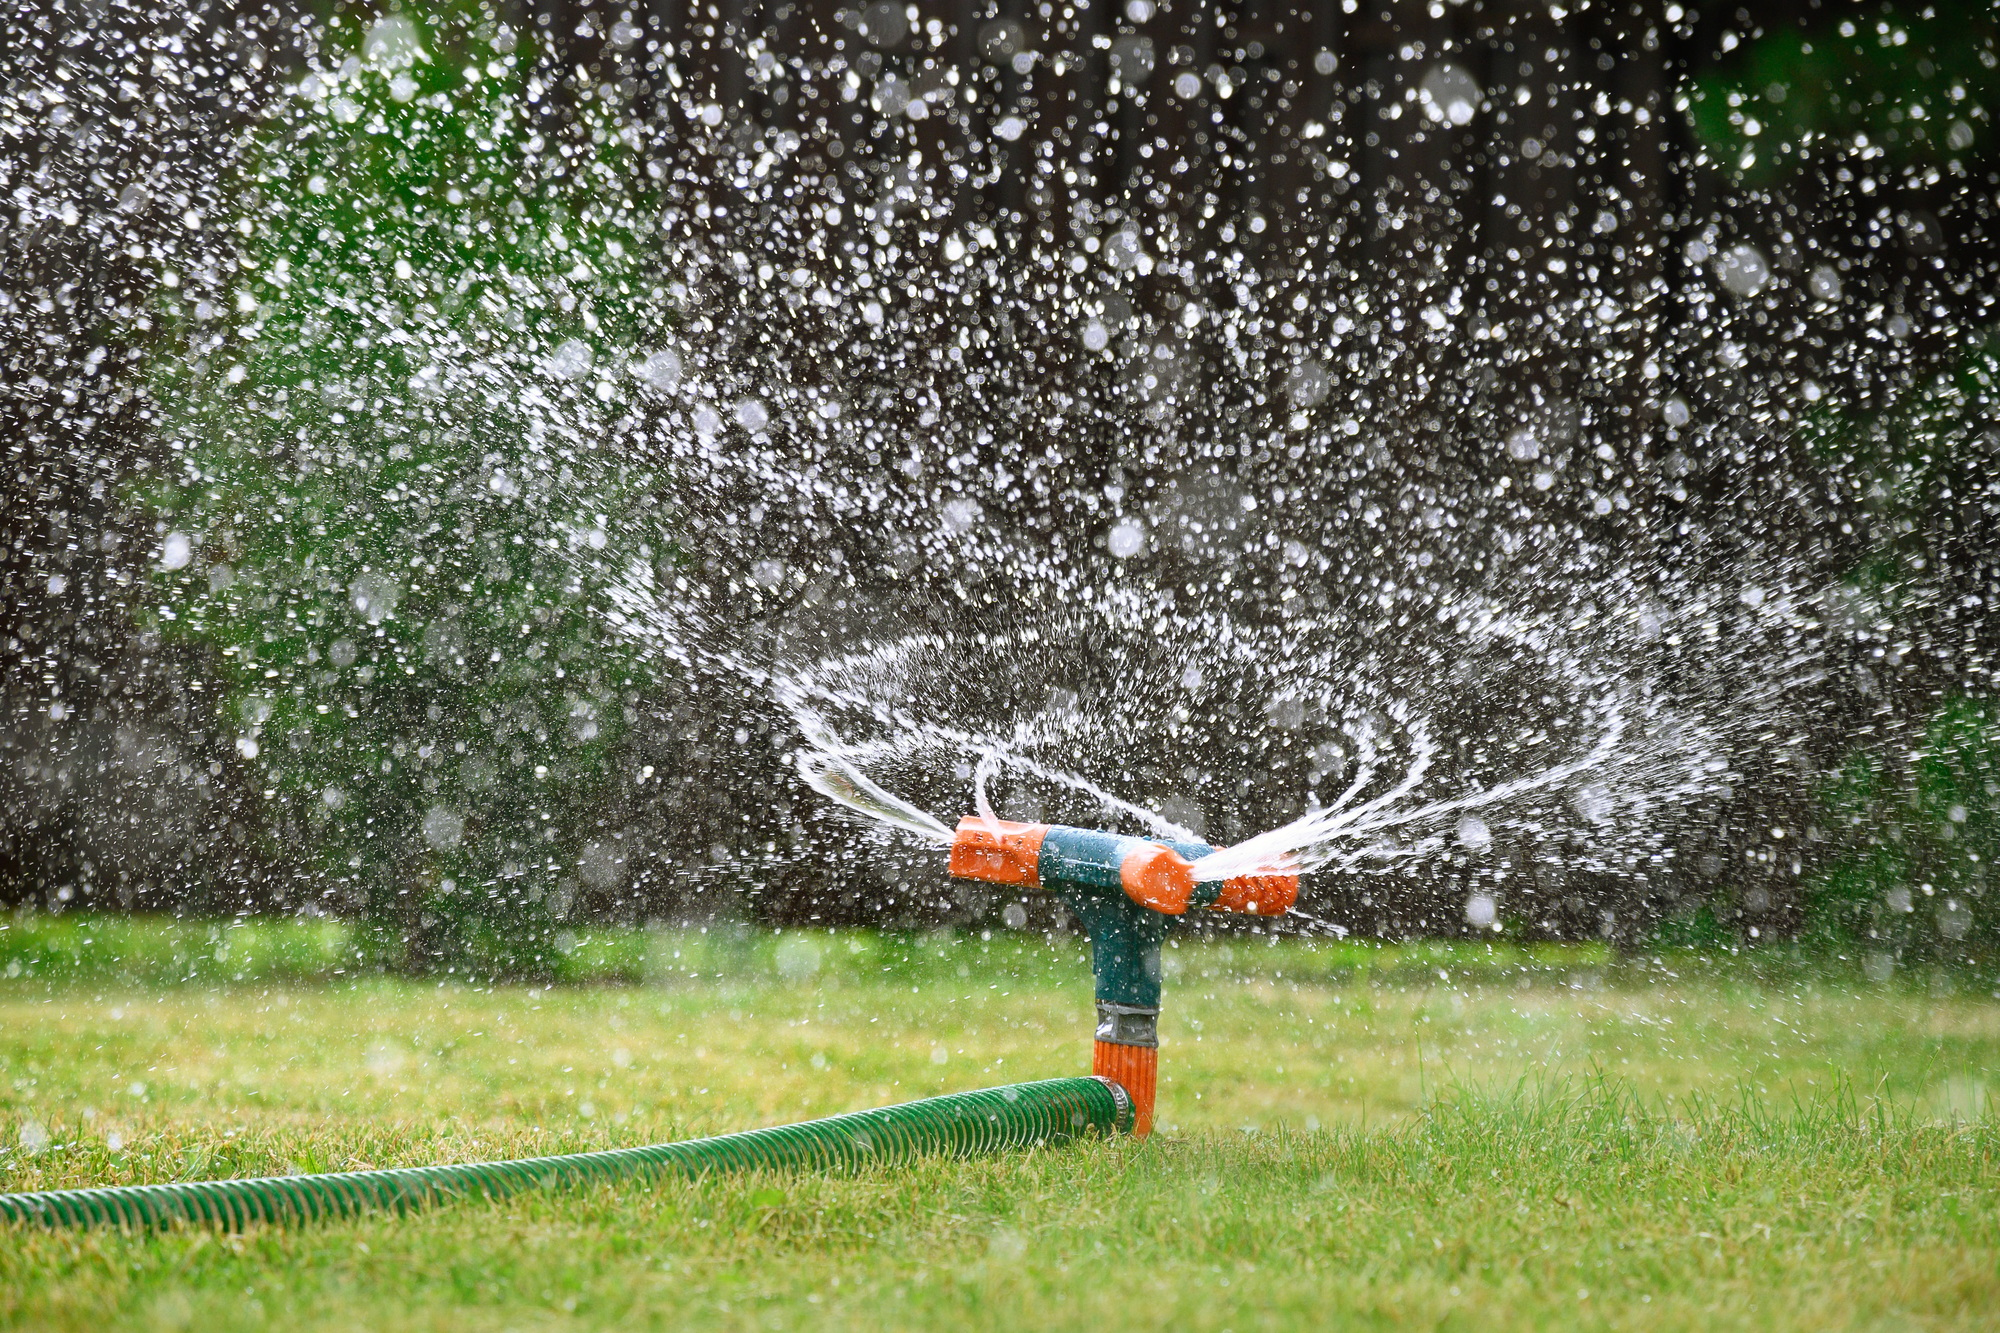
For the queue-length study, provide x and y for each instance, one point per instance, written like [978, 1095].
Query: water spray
[1121, 891]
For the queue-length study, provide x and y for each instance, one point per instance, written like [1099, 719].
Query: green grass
[129, 950]
[1348, 1137]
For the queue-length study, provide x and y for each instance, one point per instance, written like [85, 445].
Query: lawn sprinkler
[1122, 890]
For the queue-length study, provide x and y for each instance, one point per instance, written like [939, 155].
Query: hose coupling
[1127, 1024]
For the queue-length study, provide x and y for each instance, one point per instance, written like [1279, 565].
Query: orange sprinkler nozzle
[1269, 894]
[1157, 877]
[1012, 857]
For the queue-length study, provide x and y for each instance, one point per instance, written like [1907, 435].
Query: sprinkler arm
[1121, 890]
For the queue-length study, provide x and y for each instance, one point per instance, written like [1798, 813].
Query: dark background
[136, 794]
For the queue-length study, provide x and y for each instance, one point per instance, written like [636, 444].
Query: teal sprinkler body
[1121, 890]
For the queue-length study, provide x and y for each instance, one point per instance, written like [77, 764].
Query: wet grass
[164, 950]
[1350, 1139]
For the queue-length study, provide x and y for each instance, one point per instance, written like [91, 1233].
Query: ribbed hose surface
[964, 1124]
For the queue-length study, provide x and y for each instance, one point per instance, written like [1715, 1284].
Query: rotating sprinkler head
[1122, 890]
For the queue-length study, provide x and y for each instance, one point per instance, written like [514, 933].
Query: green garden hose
[964, 1124]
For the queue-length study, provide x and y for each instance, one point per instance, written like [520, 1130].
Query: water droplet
[1954, 921]
[393, 43]
[1123, 249]
[893, 96]
[883, 24]
[1449, 94]
[375, 596]
[1286, 710]
[1000, 40]
[1126, 538]
[961, 514]
[1132, 58]
[1743, 270]
[572, 359]
[1308, 384]
[443, 828]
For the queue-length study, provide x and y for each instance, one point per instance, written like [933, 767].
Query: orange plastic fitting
[1157, 877]
[1135, 1069]
[1014, 856]
[1259, 895]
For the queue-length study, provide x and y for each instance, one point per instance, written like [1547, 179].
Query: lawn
[1450, 1136]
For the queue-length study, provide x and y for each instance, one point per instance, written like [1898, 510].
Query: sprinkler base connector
[1136, 1069]
[1127, 1053]
[1127, 1024]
